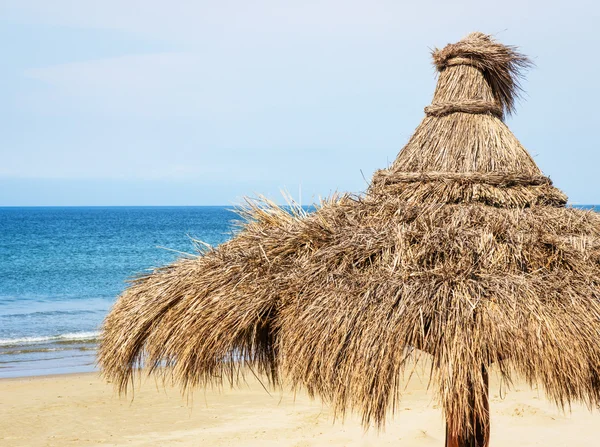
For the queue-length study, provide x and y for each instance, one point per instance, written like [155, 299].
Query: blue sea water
[61, 269]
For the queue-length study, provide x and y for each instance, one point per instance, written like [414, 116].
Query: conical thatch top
[461, 249]
[462, 151]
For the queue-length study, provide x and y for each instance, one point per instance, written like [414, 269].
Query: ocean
[61, 269]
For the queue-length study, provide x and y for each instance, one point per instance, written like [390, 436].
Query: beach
[83, 410]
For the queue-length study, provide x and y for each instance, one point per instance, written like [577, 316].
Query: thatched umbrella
[461, 249]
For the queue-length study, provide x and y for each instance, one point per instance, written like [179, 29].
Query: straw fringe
[335, 300]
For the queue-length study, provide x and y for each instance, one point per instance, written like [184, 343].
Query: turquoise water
[62, 268]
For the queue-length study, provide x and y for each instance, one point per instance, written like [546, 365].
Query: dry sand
[81, 410]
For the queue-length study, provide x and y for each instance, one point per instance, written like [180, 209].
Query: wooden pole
[481, 435]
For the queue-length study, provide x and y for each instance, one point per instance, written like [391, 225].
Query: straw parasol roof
[461, 249]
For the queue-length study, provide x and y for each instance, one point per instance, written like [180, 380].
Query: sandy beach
[82, 410]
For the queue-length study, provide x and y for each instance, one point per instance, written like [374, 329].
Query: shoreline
[49, 356]
[81, 409]
[49, 376]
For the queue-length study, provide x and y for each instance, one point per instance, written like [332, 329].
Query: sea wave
[51, 313]
[68, 337]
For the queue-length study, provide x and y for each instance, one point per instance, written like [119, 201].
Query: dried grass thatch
[461, 249]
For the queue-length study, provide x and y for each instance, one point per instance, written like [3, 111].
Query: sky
[127, 102]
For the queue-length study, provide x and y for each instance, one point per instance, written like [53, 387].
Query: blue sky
[199, 103]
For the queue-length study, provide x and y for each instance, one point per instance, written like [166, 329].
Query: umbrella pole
[481, 435]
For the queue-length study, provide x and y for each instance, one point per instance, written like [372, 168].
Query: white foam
[69, 336]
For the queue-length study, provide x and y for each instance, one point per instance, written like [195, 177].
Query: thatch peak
[463, 151]
[501, 65]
